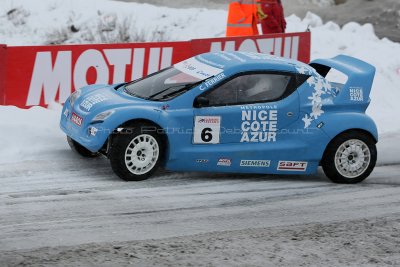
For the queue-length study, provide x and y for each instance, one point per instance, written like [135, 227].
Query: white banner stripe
[197, 69]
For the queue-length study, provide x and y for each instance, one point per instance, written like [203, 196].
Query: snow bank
[30, 134]
[27, 22]
[320, 3]
[26, 134]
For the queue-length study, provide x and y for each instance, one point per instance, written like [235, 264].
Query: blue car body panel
[303, 123]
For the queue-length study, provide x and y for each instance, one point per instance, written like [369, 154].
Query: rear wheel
[136, 155]
[350, 157]
[81, 150]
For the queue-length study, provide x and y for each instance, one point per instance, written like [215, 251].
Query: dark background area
[383, 14]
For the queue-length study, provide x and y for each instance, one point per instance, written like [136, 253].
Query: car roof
[248, 60]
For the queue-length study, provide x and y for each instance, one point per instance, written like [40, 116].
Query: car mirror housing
[201, 101]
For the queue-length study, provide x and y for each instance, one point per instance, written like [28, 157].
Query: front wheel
[350, 158]
[136, 155]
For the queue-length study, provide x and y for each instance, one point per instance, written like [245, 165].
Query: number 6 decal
[206, 129]
[206, 135]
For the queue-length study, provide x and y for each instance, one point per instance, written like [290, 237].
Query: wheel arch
[339, 123]
[360, 130]
[159, 129]
[363, 131]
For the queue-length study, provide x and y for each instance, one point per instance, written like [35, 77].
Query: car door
[248, 122]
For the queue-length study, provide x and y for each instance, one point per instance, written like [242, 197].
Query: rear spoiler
[360, 77]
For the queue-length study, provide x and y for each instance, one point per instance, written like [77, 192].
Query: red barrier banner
[3, 66]
[43, 74]
[39, 75]
[290, 45]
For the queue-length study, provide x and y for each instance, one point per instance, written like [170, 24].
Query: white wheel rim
[141, 154]
[352, 158]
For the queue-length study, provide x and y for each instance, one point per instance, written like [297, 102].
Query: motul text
[41, 75]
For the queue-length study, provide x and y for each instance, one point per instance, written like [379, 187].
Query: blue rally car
[234, 112]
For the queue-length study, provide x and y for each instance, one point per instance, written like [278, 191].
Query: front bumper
[91, 136]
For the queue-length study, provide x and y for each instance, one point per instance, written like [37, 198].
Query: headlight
[74, 96]
[102, 116]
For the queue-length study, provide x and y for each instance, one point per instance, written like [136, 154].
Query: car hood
[98, 98]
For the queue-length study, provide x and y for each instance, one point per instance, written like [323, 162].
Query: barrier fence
[39, 75]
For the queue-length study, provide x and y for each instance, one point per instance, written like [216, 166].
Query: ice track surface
[76, 201]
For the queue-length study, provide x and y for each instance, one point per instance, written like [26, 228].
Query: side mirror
[201, 101]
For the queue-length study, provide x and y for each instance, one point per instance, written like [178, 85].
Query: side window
[249, 88]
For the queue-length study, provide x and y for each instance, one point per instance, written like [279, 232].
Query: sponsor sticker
[76, 119]
[224, 162]
[320, 125]
[259, 126]
[356, 94]
[292, 165]
[89, 102]
[197, 69]
[201, 160]
[255, 163]
[66, 112]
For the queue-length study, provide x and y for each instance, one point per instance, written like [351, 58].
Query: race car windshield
[163, 85]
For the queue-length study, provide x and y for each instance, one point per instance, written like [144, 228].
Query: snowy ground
[75, 212]
[57, 209]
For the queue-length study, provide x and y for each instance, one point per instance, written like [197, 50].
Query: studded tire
[350, 157]
[136, 153]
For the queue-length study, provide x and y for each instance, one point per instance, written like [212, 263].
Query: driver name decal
[259, 125]
[211, 81]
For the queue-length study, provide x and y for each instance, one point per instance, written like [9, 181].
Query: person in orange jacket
[275, 21]
[243, 16]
